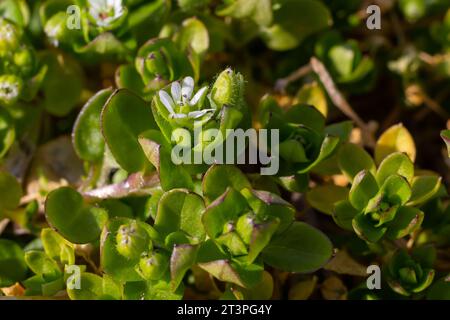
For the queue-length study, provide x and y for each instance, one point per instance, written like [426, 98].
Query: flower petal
[199, 113]
[178, 115]
[187, 86]
[198, 96]
[167, 101]
[175, 90]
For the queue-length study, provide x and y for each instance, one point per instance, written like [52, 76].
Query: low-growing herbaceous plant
[235, 149]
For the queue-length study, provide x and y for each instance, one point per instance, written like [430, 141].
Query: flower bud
[156, 66]
[10, 37]
[56, 29]
[132, 240]
[228, 89]
[24, 58]
[10, 89]
[154, 265]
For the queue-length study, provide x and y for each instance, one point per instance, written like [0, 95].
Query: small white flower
[105, 12]
[181, 95]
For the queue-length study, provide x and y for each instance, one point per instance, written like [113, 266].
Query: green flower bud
[10, 37]
[24, 58]
[228, 89]
[132, 240]
[156, 66]
[10, 89]
[154, 265]
[56, 29]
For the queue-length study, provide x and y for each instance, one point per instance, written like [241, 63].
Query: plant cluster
[97, 95]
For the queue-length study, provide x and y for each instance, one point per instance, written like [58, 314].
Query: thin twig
[281, 84]
[340, 102]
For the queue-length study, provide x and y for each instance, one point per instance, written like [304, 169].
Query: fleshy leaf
[352, 159]
[301, 248]
[87, 135]
[124, 117]
[395, 139]
[76, 220]
[395, 163]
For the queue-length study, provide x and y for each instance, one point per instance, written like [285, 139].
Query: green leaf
[343, 214]
[366, 230]
[227, 271]
[440, 290]
[219, 177]
[42, 265]
[294, 20]
[76, 220]
[182, 259]
[301, 248]
[7, 132]
[56, 247]
[363, 189]
[395, 139]
[395, 163]
[62, 85]
[12, 264]
[352, 159]
[91, 288]
[157, 151]
[263, 290]
[269, 205]
[423, 188]
[327, 147]
[261, 235]
[10, 192]
[406, 221]
[445, 135]
[396, 190]
[124, 117]
[180, 209]
[87, 135]
[312, 94]
[194, 34]
[226, 208]
[128, 78]
[307, 115]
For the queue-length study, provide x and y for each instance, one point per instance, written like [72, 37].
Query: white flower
[105, 12]
[180, 96]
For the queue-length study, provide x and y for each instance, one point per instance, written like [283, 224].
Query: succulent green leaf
[395, 163]
[219, 177]
[352, 159]
[366, 230]
[10, 192]
[324, 197]
[344, 213]
[395, 139]
[224, 209]
[423, 188]
[396, 190]
[406, 221]
[301, 248]
[87, 135]
[42, 265]
[445, 135]
[182, 259]
[363, 189]
[76, 220]
[12, 263]
[180, 209]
